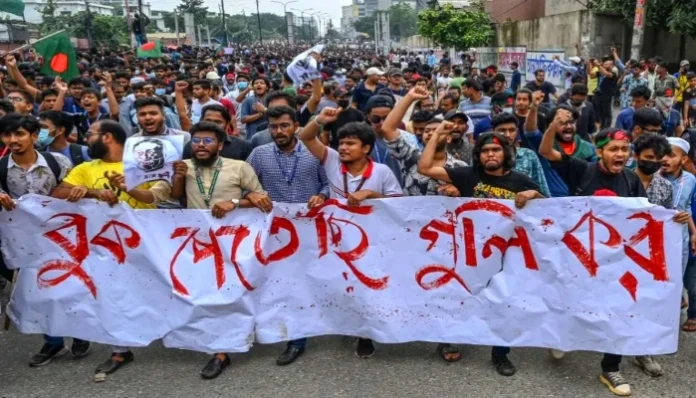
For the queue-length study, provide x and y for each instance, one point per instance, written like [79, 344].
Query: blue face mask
[160, 91]
[45, 138]
[242, 85]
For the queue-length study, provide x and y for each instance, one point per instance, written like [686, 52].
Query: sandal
[448, 353]
[689, 325]
[684, 304]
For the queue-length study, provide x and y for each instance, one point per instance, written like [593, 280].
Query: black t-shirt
[347, 116]
[586, 178]
[82, 124]
[607, 85]
[546, 88]
[690, 94]
[304, 116]
[474, 183]
[233, 148]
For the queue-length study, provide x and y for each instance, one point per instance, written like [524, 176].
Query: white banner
[600, 274]
[151, 158]
[544, 60]
[303, 67]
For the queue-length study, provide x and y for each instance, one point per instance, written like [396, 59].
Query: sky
[331, 7]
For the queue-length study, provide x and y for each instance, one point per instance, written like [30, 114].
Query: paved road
[330, 369]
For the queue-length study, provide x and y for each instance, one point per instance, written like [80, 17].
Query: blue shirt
[66, 152]
[72, 106]
[248, 110]
[361, 94]
[476, 111]
[515, 81]
[671, 123]
[289, 177]
[624, 120]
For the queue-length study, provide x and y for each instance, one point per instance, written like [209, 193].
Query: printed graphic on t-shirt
[485, 191]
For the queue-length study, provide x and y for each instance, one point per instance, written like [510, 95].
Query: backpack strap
[76, 154]
[4, 162]
[53, 165]
[586, 179]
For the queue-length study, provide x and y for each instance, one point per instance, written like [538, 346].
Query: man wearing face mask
[348, 114]
[672, 125]
[53, 136]
[500, 103]
[648, 151]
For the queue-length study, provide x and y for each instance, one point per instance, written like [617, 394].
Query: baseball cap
[379, 101]
[230, 76]
[456, 113]
[395, 72]
[684, 63]
[502, 99]
[374, 71]
[339, 92]
[577, 60]
[212, 76]
[439, 118]
[341, 72]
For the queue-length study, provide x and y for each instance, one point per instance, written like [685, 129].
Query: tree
[168, 18]
[403, 21]
[50, 21]
[195, 7]
[678, 16]
[461, 28]
[365, 25]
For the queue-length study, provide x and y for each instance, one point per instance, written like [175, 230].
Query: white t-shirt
[378, 178]
[197, 107]
[443, 81]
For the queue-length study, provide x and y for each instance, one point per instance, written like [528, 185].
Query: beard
[98, 150]
[205, 162]
[492, 167]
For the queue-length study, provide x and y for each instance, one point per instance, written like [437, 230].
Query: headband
[614, 135]
[491, 139]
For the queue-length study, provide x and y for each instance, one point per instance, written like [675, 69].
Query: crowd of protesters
[405, 124]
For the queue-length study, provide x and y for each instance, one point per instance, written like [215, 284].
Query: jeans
[299, 343]
[500, 351]
[690, 286]
[139, 39]
[611, 362]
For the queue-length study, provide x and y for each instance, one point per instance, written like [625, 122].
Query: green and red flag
[14, 7]
[58, 56]
[151, 49]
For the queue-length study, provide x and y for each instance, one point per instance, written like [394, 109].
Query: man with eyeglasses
[233, 147]
[22, 101]
[290, 174]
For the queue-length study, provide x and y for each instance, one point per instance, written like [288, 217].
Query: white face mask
[508, 110]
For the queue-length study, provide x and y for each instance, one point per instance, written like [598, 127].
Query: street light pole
[302, 12]
[285, 13]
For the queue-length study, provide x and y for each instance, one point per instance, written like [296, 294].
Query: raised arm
[426, 164]
[531, 125]
[62, 88]
[546, 148]
[11, 63]
[114, 110]
[390, 128]
[180, 103]
[313, 101]
[309, 133]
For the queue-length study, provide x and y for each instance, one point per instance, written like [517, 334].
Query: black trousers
[603, 110]
[4, 272]
[611, 362]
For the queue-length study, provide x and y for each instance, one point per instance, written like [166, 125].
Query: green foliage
[403, 22]
[195, 7]
[677, 16]
[107, 30]
[461, 28]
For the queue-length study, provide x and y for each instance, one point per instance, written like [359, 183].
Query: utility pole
[207, 31]
[176, 27]
[130, 23]
[258, 16]
[377, 33]
[200, 36]
[285, 13]
[224, 22]
[638, 30]
[88, 24]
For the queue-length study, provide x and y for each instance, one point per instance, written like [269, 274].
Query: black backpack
[50, 160]
[76, 154]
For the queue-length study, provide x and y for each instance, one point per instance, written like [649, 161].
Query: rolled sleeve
[161, 191]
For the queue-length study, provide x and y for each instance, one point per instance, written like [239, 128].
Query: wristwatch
[235, 202]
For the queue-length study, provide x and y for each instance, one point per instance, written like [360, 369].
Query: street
[330, 368]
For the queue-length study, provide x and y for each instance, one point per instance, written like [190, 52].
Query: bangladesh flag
[151, 49]
[14, 7]
[59, 57]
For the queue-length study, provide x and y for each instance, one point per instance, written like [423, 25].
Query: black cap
[379, 101]
[456, 113]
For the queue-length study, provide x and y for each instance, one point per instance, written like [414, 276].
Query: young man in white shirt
[352, 174]
[201, 98]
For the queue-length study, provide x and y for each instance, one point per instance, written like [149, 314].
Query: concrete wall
[515, 10]
[555, 7]
[597, 33]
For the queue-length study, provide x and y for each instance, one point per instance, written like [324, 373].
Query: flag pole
[32, 44]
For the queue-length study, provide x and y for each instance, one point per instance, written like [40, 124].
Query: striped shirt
[292, 177]
[476, 111]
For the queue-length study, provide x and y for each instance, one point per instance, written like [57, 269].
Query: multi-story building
[33, 9]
